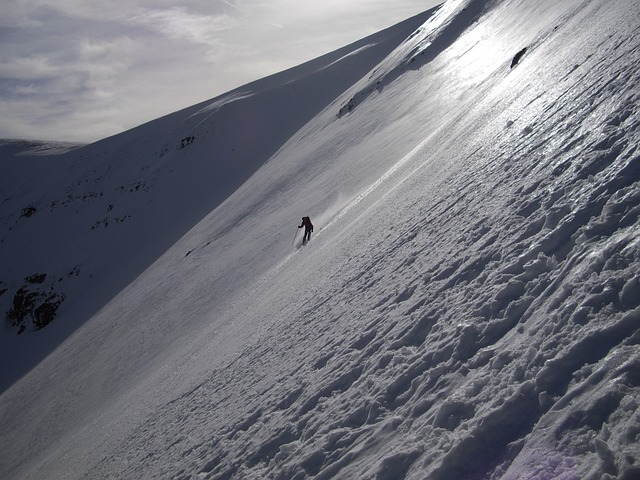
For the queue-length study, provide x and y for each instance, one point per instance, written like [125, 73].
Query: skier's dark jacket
[306, 223]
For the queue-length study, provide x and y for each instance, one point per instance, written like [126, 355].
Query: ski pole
[294, 238]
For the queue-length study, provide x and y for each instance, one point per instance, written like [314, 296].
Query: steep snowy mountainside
[472, 47]
[475, 315]
[111, 208]
[13, 147]
[472, 314]
[468, 306]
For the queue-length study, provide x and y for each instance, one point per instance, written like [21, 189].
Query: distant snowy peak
[16, 147]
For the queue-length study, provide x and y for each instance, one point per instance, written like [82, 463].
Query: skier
[308, 228]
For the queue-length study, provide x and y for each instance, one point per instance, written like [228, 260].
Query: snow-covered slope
[468, 306]
[77, 228]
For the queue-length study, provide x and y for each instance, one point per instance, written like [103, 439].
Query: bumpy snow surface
[468, 306]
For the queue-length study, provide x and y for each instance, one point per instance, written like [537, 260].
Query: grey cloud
[78, 70]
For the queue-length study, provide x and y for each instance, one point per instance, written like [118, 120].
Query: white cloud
[94, 68]
[180, 24]
[28, 68]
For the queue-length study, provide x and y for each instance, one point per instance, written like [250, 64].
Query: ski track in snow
[473, 313]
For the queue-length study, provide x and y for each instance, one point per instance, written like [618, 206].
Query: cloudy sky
[81, 70]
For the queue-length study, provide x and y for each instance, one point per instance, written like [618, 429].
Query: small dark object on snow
[518, 56]
[28, 211]
[186, 141]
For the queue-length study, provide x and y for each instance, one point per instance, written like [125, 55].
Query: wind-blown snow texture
[468, 306]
